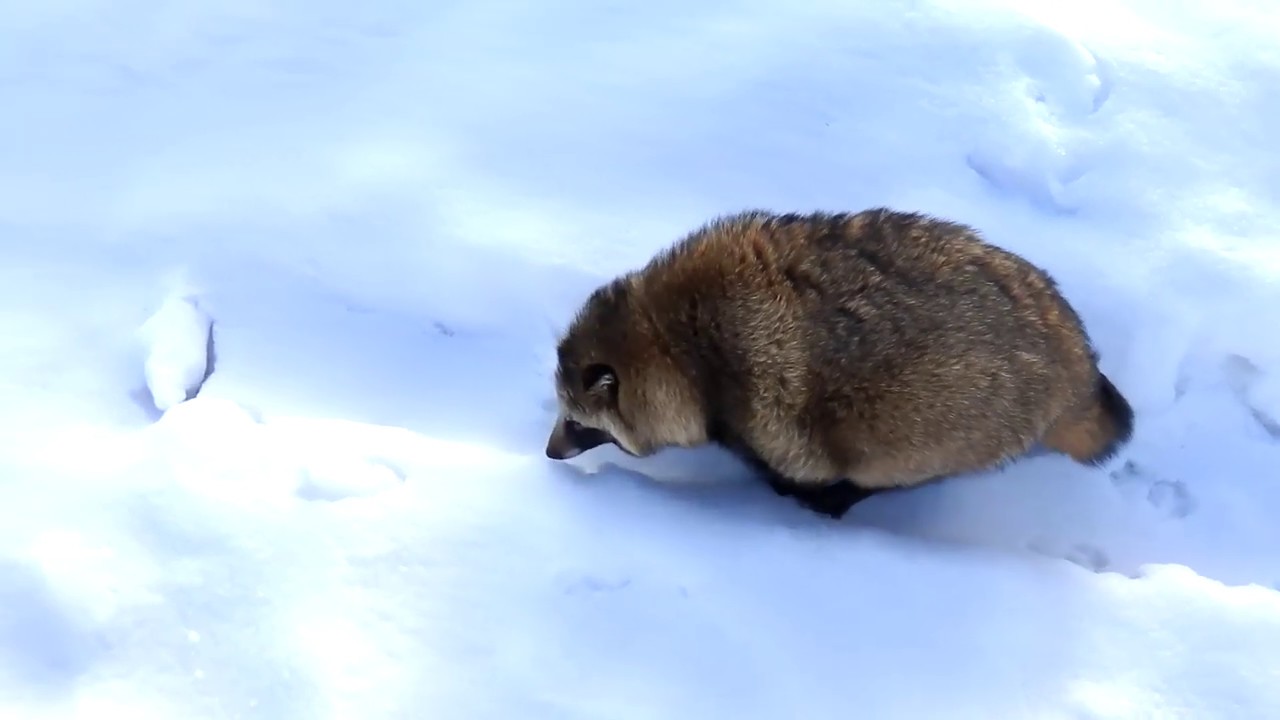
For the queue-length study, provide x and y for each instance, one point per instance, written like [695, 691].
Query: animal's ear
[600, 379]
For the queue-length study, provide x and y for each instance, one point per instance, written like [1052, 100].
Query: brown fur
[881, 348]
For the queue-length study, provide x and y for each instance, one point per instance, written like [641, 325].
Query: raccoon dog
[840, 354]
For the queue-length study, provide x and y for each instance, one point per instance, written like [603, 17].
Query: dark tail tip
[1119, 413]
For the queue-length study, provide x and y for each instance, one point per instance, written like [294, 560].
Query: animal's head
[588, 417]
[614, 385]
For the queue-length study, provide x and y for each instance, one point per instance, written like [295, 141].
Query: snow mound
[179, 350]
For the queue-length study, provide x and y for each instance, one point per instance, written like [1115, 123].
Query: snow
[178, 342]
[389, 210]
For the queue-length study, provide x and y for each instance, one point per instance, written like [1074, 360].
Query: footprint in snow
[1088, 557]
[1035, 153]
[1170, 498]
[340, 478]
[592, 584]
[1257, 390]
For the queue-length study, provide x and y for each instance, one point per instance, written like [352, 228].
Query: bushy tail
[1095, 433]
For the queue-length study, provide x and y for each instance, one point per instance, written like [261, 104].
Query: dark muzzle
[569, 439]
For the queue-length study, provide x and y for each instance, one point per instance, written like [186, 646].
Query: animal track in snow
[1258, 390]
[1170, 498]
[590, 584]
[339, 478]
[1030, 151]
[1064, 78]
[1088, 557]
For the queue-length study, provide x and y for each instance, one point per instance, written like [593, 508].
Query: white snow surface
[391, 208]
[178, 341]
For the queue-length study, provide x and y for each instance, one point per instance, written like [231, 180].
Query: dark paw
[833, 500]
[783, 488]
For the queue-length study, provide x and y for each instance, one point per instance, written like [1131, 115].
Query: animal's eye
[598, 376]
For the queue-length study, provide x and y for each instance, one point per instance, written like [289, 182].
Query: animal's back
[883, 346]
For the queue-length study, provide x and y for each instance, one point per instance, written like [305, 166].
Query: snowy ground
[389, 209]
